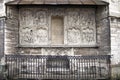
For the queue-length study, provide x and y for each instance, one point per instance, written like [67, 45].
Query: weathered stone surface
[37, 35]
[79, 26]
[34, 51]
[114, 8]
[3, 8]
[11, 30]
[2, 24]
[85, 51]
[82, 29]
[115, 39]
[57, 51]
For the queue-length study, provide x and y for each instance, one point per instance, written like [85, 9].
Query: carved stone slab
[57, 51]
[33, 27]
[79, 26]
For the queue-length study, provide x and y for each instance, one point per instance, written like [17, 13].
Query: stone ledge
[53, 46]
[115, 14]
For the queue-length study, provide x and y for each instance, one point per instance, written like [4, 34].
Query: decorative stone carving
[40, 18]
[27, 36]
[33, 27]
[12, 13]
[41, 35]
[73, 36]
[88, 35]
[57, 11]
[57, 51]
[73, 18]
[26, 18]
[79, 26]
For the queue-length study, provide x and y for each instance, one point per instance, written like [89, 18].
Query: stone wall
[103, 29]
[3, 7]
[36, 26]
[115, 31]
[100, 46]
[101, 34]
[2, 26]
[2, 21]
[114, 10]
[115, 39]
[11, 30]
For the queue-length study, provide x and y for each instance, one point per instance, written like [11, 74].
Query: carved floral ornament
[79, 26]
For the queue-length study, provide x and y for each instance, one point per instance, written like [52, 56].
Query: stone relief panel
[33, 27]
[40, 17]
[73, 36]
[88, 35]
[79, 26]
[57, 51]
[26, 17]
[27, 35]
[73, 18]
[12, 13]
[41, 37]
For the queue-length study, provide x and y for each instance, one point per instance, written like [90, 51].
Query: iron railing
[58, 67]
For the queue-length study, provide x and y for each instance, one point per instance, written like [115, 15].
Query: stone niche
[57, 26]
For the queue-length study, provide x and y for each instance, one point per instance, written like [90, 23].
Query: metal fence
[39, 67]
